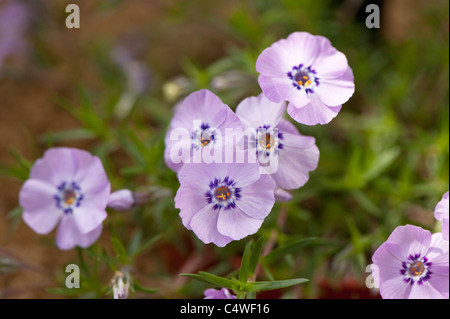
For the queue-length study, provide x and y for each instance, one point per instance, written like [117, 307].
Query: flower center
[303, 78]
[68, 197]
[203, 136]
[416, 270]
[206, 137]
[223, 193]
[267, 140]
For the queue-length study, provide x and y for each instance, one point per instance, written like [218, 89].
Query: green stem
[240, 295]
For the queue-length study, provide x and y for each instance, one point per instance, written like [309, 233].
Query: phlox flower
[310, 73]
[223, 202]
[412, 264]
[441, 213]
[68, 189]
[218, 294]
[291, 155]
[197, 130]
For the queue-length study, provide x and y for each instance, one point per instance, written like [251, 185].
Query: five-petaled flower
[224, 202]
[412, 264]
[197, 130]
[310, 73]
[276, 140]
[67, 187]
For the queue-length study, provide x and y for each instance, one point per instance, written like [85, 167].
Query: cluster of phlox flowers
[413, 263]
[232, 167]
[68, 189]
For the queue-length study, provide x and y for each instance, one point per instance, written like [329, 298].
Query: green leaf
[279, 252]
[272, 285]
[380, 163]
[119, 249]
[254, 258]
[212, 279]
[244, 271]
[147, 244]
[138, 287]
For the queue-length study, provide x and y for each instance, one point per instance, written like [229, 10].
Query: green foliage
[386, 153]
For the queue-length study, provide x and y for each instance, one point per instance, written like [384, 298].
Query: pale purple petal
[269, 89]
[121, 200]
[438, 254]
[204, 225]
[236, 224]
[218, 294]
[445, 229]
[410, 240]
[257, 199]
[56, 166]
[68, 235]
[441, 210]
[316, 112]
[297, 158]
[259, 111]
[203, 106]
[330, 63]
[91, 176]
[86, 240]
[178, 148]
[281, 56]
[395, 288]
[40, 212]
[243, 173]
[441, 213]
[336, 91]
[282, 195]
[88, 218]
[438, 285]
[426, 291]
[190, 199]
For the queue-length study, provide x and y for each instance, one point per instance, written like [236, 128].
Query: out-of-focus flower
[121, 200]
[121, 284]
[218, 294]
[14, 21]
[310, 73]
[278, 141]
[177, 87]
[441, 213]
[412, 264]
[282, 195]
[137, 74]
[197, 130]
[223, 202]
[67, 188]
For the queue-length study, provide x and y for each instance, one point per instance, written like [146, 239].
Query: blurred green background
[110, 87]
